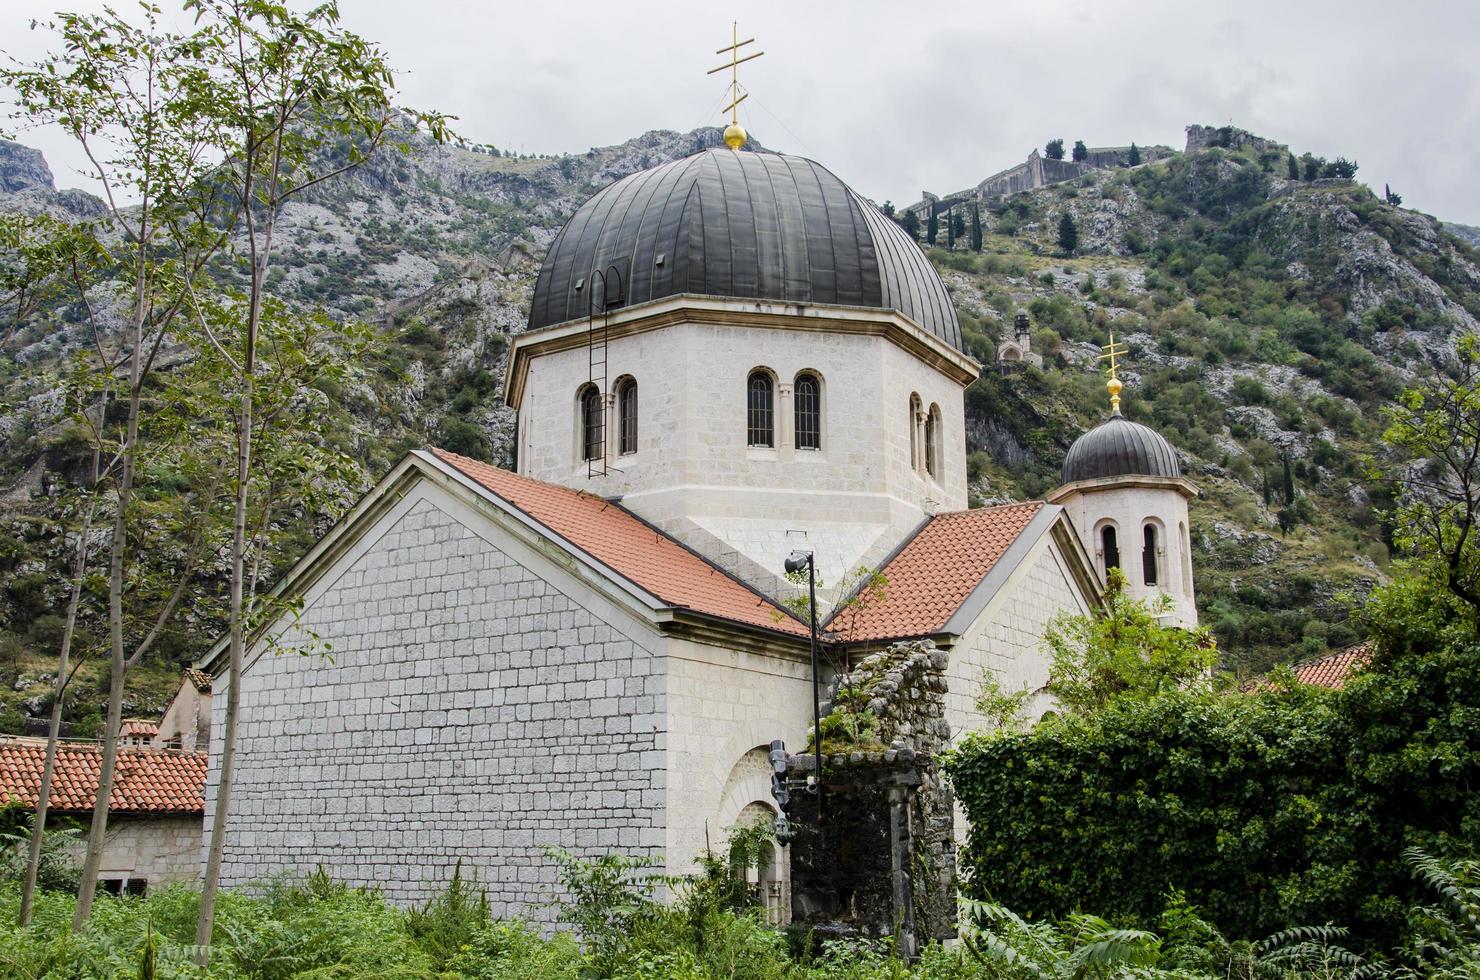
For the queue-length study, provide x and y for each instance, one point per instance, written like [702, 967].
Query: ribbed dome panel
[745, 225]
[1120, 447]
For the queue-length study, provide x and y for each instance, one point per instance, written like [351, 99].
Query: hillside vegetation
[1269, 321]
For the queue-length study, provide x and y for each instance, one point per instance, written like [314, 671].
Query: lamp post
[797, 561]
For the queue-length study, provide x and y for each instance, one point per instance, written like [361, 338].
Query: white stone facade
[692, 472]
[1128, 506]
[481, 704]
[148, 852]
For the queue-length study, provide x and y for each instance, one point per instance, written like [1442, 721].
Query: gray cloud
[896, 97]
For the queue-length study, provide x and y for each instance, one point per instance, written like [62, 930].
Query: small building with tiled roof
[1332, 670]
[155, 810]
[595, 648]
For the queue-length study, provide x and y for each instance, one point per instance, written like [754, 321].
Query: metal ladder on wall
[597, 335]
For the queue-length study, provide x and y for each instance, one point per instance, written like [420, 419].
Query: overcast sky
[897, 97]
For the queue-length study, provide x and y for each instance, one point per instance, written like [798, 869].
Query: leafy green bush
[1292, 805]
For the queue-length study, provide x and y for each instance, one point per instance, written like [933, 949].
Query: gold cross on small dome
[1112, 351]
[734, 132]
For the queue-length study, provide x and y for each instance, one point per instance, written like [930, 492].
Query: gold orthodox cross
[734, 134]
[1112, 351]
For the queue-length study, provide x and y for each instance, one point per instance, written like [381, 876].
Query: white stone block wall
[723, 704]
[1008, 637]
[1130, 509]
[159, 850]
[475, 708]
[694, 476]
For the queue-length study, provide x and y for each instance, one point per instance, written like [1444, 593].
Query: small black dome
[746, 225]
[1120, 447]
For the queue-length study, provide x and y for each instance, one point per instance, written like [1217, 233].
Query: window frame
[760, 420]
[590, 426]
[627, 415]
[1110, 545]
[801, 412]
[1150, 567]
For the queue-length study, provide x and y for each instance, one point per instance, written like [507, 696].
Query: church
[731, 358]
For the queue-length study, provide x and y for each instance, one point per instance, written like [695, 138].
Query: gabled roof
[1333, 669]
[138, 728]
[936, 574]
[630, 547]
[145, 781]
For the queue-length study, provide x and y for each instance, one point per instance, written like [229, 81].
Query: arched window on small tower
[593, 430]
[932, 441]
[1109, 547]
[626, 416]
[1148, 555]
[807, 393]
[915, 432]
[760, 415]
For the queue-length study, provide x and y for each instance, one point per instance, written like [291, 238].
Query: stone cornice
[893, 326]
[1180, 484]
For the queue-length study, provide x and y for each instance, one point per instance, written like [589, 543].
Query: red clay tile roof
[144, 781]
[933, 574]
[1333, 669]
[138, 728]
[634, 550]
[199, 678]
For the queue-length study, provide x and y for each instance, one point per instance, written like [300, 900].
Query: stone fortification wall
[481, 704]
[1035, 172]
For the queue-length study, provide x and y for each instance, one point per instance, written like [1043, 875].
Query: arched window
[1109, 547]
[626, 416]
[932, 441]
[1148, 555]
[915, 432]
[593, 429]
[807, 393]
[760, 415]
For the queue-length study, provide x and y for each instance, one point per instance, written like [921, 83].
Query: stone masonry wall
[475, 708]
[883, 861]
[157, 850]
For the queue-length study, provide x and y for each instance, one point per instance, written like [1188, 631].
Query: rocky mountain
[1269, 320]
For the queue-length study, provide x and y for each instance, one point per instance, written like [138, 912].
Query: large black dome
[1120, 447]
[741, 224]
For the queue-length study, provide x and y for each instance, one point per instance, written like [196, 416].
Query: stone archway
[746, 800]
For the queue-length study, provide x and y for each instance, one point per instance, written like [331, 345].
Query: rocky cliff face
[1268, 319]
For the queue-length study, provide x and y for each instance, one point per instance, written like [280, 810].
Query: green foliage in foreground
[1291, 805]
[317, 928]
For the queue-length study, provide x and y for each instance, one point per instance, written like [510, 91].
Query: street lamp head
[798, 561]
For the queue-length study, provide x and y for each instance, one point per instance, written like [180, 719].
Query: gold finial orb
[735, 136]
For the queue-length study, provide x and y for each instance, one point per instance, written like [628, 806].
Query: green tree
[1123, 651]
[1396, 200]
[932, 227]
[1135, 157]
[1294, 168]
[1435, 428]
[1054, 150]
[121, 91]
[1341, 168]
[1313, 165]
[289, 101]
[976, 227]
[1068, 234]
[888, 209]
[1081, 152]
[1289, 481]
[911, 225]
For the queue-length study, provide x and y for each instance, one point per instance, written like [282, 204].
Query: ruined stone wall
[883, 861]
